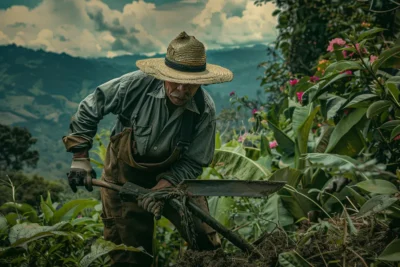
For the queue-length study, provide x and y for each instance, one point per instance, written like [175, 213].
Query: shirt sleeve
[199, 154]
[107, 98]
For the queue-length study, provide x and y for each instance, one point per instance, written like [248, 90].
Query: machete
[231, 188]
[130, 191]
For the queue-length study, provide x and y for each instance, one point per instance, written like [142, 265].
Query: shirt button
[155, 148]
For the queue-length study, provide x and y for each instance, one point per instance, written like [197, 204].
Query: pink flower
[372, 58]
[314, 79]
[254, 111]
[348, 72]
[242, 137]
[338, 41]
[358, 49]
[396, 138]
[232, 93]
[293, 82]
[344, 53]
[299, 96]
[273, 144]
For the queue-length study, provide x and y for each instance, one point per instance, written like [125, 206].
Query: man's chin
[178, 101]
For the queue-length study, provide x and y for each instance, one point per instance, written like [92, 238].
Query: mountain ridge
[41, 90]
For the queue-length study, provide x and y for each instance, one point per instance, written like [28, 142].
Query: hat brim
[156, 67]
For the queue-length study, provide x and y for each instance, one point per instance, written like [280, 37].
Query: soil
[319, 244]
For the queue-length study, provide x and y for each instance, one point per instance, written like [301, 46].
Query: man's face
[178, 93]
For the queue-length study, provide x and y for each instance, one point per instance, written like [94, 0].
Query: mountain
[41, 90]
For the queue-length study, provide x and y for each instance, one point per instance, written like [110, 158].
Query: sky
[107, 28]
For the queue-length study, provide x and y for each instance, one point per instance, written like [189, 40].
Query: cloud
[91, 28]
[221, 25]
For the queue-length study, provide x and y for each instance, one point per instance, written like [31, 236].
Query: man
[165, 133]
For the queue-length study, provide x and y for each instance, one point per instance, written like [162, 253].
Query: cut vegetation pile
[328, 242]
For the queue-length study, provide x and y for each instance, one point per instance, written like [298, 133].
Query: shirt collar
[159, 92]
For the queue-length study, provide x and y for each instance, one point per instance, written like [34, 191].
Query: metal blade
[231, 188]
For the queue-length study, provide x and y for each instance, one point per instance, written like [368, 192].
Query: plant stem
[355, 253]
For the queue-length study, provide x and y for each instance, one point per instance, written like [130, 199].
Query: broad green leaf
[386, 58]
[376, 204]
[82, 220]
[27, 230]
[102, 247]
[360, 200]
[285, 144]
[49, 202]
[350, 144]
[71, 209]
[304, 131]
[3, 225]
[395, 132]
[326, 85]
[344, 126]
[287, 161]
[234, 146]
[292, 204]
[221, 209]
[25, 209]
[23, 241]
[323, 139]
[333, 106]
[264, 147]
[343, 65]
[391, 252]
[358, 99]
[300, 115]
[46, 209]
[378, 186]
[12, 218]
[274, 211]
[217, 140]
[332, 161]
[393, 80]
[266, 162]
[392, 88]
[292, 259]
[288, 175]
[252, 153]
[390, 125]
[229, 163]
[368, 33]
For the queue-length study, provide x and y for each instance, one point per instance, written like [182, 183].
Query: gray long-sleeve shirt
[157, 132]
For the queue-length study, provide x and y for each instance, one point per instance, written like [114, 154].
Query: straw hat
[185, 62]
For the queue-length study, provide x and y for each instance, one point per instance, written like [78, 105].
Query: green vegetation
[328, 124]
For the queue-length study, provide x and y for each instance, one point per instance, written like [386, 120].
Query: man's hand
[152, 205]
[81, 174]
[161, 184]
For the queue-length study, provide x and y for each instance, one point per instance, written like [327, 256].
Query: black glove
[81, 174]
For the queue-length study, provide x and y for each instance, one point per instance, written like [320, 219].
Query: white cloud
[4, 39]
[219, 26]
[90, 28]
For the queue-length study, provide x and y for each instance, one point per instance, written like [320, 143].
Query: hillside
[41, 90]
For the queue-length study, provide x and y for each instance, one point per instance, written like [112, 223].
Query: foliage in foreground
[333, 137]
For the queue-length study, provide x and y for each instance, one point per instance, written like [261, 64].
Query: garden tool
[231, 188]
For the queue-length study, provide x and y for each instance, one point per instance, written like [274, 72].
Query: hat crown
[186, 50]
